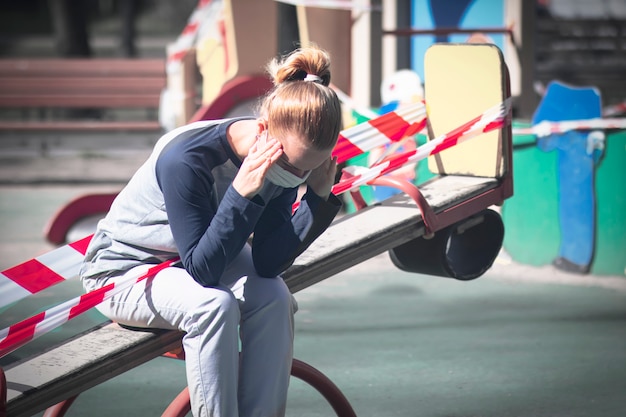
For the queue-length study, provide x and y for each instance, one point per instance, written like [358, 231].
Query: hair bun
[310, 64]
[297, 105]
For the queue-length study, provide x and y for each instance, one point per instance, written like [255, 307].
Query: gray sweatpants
[259, 311]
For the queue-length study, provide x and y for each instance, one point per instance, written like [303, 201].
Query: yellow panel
[330, 29]
[250, 42]
[461, 82]
[253, 36]
[212, 63]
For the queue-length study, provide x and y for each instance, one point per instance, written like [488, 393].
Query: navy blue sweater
[181, 201]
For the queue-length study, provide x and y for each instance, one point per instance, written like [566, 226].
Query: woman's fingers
[322, 178]
[251, 175]
[260, 152]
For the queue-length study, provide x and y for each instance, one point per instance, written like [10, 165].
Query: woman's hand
[322, 178]
[249, 180]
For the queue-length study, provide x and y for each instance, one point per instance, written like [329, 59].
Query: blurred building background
[575, 41]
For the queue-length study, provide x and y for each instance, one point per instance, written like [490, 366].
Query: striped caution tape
[615, 109]
[203, 13]
[42, 272]
[17, 335]
[546, 128]
[492, 119]
[63, 263]
[59, 264]
[381, 131]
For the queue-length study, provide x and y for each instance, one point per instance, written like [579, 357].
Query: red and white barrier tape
[17, 335]
[492, 119]
[546, 128]
[64, 262]
[614, 109]
[189, 35]
[42, 272]
[381, 131]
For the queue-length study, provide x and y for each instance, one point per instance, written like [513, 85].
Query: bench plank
[107, 100]
[131, 126]
[81, 363]
[82, 67]
[81, 83]
[362, 235]
[71, 85]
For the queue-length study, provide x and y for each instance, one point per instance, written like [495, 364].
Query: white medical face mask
[283, 178]
[279, 176]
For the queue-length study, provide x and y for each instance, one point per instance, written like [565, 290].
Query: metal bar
[446, 31]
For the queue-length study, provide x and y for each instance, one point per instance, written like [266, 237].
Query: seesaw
[452, 234]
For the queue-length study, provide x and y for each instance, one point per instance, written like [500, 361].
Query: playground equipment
[451, 205]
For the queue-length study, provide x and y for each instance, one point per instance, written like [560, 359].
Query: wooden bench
[81, 84]
[455, 203]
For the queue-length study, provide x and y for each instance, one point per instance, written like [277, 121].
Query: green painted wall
[530, 217]
[610, 256]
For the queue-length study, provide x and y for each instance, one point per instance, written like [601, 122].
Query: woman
[206, 188]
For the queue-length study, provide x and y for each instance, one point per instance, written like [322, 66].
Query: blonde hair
[301, 102]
